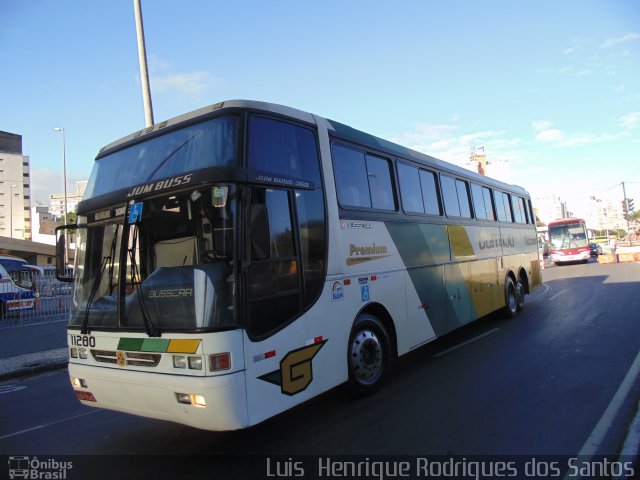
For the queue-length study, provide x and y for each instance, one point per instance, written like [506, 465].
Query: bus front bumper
[578, 257]
[155, 395]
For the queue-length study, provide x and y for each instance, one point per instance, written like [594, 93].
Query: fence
[33, 297]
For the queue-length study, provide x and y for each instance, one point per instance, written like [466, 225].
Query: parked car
[596, 249]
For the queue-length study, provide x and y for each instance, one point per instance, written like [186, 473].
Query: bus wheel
[368, 355]
[511, 305]
[519, 296]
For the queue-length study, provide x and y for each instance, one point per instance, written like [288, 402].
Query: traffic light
[625, 206]
[630, 206]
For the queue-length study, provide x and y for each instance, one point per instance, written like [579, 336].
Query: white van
[13, 297]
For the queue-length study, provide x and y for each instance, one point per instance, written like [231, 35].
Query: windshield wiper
[94, 289]
[84, 330]
[151, 329]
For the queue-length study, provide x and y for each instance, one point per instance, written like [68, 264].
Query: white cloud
[446, 142]
[546, 133]
[164, 79]
[575, 72]
[577, 45]
[541, 125]
[550, 135]
[630, 120]
[611, 42]
[191, 83]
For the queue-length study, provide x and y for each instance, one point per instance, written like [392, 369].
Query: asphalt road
[535, 385]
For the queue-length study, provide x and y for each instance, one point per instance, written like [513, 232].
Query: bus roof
[341, 130]
[564, 221]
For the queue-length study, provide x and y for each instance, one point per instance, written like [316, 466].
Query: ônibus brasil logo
[33, 468]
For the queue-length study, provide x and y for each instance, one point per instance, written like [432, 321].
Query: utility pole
[624, 194]
[144, 72]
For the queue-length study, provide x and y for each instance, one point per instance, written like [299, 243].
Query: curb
[32, 370]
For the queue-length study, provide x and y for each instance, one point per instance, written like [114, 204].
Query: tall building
[549, 208]
[56, 201]
[15, 193]
[43, 225]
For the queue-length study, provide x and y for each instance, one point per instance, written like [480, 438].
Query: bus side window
[517, 213]
[380, 187]
[410, 188]
[351, 177]
[260, 236]
[498, 198]
[488, 205]
[478, 202]
[532, 215]
[430, 193]
[456, 197]
[463, 198]
[507, 207]
[273, 278]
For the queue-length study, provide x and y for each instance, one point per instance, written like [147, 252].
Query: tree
[71, 218]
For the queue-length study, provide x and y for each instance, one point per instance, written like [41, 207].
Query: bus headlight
[83, 353]
[73, 352]
[191, 399]
[195, 363]
[179, 361]
[78, 382]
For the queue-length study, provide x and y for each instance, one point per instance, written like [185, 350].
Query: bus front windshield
[570, 235]
[178, 258]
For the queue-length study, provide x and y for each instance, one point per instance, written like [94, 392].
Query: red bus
[568, 241]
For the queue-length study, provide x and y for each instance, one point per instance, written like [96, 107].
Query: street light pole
[11, 211]
[144, 72]
[64, 171]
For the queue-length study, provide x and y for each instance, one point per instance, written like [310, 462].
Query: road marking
[594, 441]
[557, 294]
[465, 343]
[546, 291]
[9, 435]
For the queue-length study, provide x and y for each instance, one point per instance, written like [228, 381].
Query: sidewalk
[30, 348]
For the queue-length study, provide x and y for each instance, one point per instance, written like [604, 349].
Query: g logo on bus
[296, 370]
[121, 359]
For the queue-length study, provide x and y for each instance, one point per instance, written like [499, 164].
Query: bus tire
[368, 355]
[520, 292]
[511, 299]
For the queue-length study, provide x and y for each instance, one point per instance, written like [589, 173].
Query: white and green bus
[238, 260]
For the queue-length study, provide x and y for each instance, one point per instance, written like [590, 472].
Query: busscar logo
[172, 292]
[296, 370]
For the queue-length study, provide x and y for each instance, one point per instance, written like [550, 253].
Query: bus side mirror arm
[62, 253]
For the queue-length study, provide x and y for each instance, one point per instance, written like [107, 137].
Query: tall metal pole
[11, 211]
[144, 72]
[64, 180]
[64, 171]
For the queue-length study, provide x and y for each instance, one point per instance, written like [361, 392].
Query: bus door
[273, 300]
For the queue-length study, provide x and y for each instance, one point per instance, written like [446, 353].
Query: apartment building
[15, 198]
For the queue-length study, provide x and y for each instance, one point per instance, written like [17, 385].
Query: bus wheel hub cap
[366, 355]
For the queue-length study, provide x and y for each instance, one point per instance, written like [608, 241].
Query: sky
[550, 89]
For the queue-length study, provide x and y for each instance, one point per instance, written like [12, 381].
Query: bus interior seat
[176, 252]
